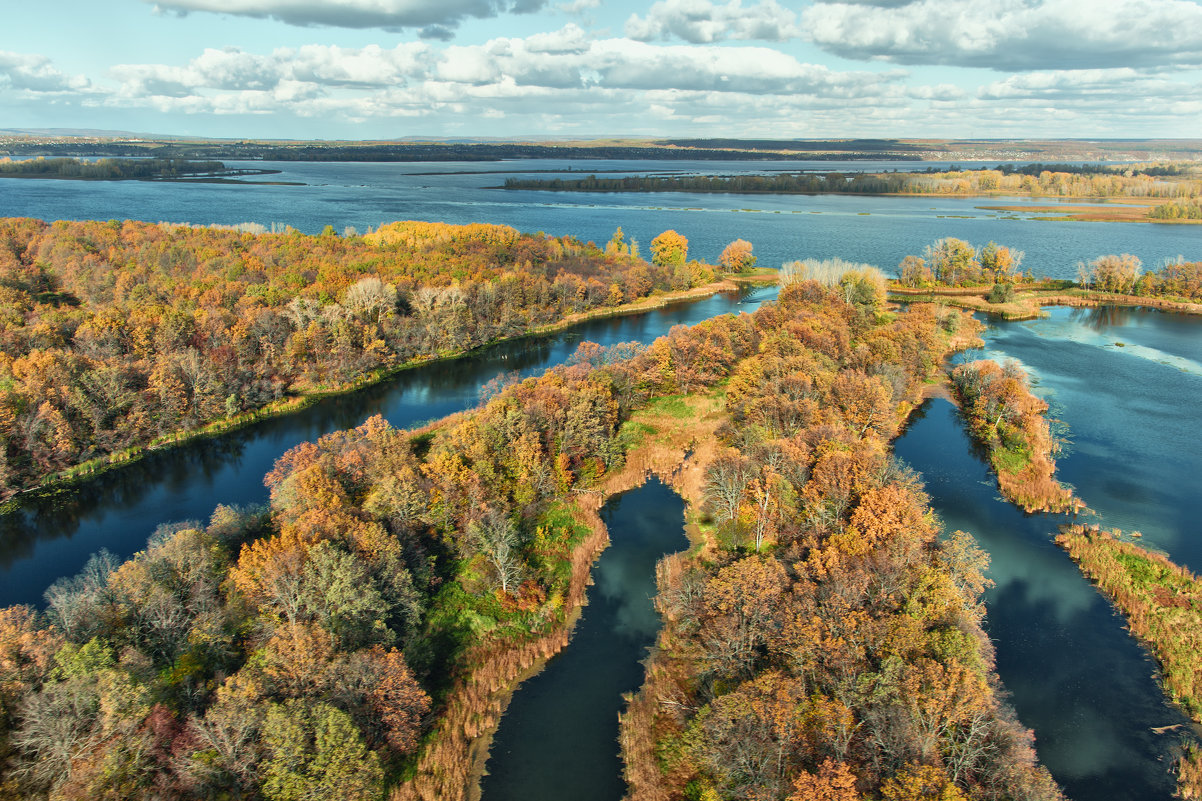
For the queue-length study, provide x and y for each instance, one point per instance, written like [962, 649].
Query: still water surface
[1128, 385]
[1074, 674]
[876, 230]
[559, 737]
[1131, 409]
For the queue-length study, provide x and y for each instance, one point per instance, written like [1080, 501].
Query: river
[1125, 382]
[559, 736]
[877, 230]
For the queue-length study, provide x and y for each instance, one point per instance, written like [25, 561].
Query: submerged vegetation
[359, 632]
[118, 335]
[1162, 602]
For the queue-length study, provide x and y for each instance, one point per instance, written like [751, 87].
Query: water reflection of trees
[1102, 318]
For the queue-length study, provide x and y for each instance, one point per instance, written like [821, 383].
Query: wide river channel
[1126, 384]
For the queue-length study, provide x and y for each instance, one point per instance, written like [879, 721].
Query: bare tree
[496, 539]
[725, 484]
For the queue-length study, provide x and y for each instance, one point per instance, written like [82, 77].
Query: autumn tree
[737, 257]
[953, 261]
[669, 249]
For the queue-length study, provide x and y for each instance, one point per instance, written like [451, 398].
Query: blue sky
[384, 69]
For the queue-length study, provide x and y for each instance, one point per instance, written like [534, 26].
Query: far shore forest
[354, 637]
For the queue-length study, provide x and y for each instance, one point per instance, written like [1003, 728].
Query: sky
[390, 69]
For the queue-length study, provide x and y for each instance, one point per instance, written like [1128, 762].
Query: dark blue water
[120, 509]
[876, 230]
[1075, 675]
[559, 737]
[1128, 385]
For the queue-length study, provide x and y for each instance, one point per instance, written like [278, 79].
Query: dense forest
[829, 647]
[829, 642]
[113, 334]
[1156, 181]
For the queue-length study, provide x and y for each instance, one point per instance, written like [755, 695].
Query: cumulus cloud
[434, 17]
[548, 76]
[1012, 35]
[702, 21]
[570, 81]
[33, 73]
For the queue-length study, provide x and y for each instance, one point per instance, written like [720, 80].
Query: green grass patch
[1009, 460]
[634, 433]
[672, 406]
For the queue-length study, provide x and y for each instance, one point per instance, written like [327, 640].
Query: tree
[913, 272]
[833, 782]
[953, 261]
[669, 249]
[495, 538]
[315, 752]
[736, 257]
[999, 262]
[726, 481]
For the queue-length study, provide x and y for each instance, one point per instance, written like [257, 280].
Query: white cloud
[30, 72]
[702, 21]
[567, 81]
[435, 17]
[1012, 35]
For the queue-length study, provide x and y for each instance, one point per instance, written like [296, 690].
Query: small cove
[559, 736]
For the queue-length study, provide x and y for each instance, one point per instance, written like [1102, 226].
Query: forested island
[357, 635]
[1165, 192]
[115, 336]
[110, 169]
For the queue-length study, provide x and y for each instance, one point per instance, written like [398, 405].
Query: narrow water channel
[54, 537]
[1076, 677]
[559, 737]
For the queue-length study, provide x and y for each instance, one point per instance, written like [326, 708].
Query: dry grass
[1162, 602]
[451, 766]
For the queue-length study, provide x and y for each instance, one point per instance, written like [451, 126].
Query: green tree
[316, 753]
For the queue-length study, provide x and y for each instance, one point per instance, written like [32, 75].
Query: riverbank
[672, 440]
[86, 471]
[1007, 419]
[1027, 303]
[1162, 603]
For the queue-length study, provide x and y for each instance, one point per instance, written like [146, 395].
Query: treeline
[1153, 170]
[113, 334]
[1142, 182]
[954, 262]
[108, 169]
[310, 650]
[1123, 274]
[426, 152]
[1176, 211]
[1162, 602]
[1005, 417]
[830, 646]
